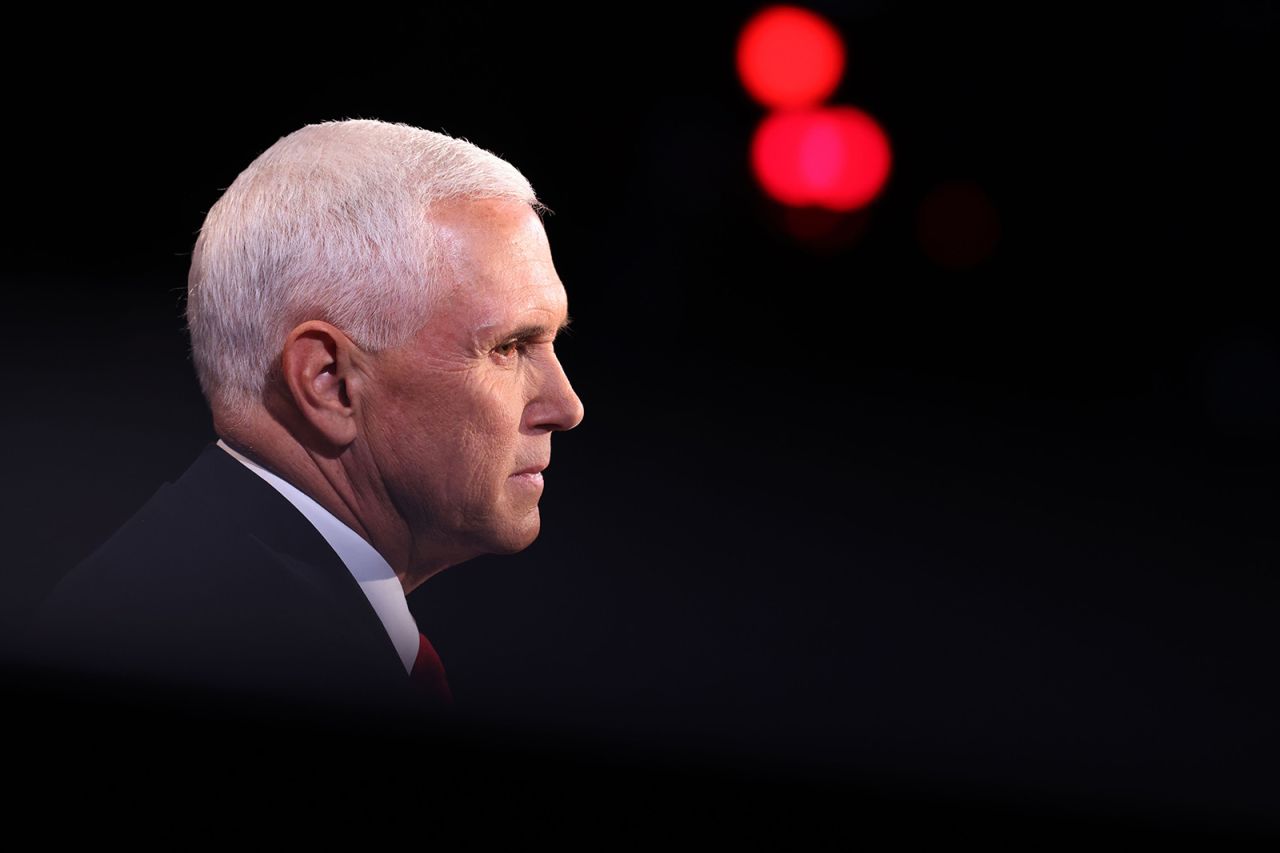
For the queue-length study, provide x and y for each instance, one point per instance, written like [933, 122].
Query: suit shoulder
[218, 578]
[161, 544]
[170, 570]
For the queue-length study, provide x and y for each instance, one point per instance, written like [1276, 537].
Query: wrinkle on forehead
[500, 268]
[460, 220]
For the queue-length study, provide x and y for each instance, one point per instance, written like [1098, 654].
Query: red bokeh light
[835, 157]
[789, 57]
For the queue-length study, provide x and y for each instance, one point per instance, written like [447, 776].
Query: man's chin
[522, 536]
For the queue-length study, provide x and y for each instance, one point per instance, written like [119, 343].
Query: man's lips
[531, 476]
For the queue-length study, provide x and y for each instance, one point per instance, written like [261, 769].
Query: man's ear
[319, 368]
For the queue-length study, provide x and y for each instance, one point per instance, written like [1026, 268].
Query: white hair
[331, 223]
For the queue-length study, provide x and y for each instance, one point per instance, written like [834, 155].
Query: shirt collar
[371, 571]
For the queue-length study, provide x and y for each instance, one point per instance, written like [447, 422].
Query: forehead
[500, 261]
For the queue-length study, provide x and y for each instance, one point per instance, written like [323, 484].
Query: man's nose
[558, 406]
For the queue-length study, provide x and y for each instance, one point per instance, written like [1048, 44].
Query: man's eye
[508, 349]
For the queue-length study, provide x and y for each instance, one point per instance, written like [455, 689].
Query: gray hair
[329, 223]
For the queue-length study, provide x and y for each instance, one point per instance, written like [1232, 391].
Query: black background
[835, 514]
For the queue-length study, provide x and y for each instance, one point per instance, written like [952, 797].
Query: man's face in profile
[459, 419]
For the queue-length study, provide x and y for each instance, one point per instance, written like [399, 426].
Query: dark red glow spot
[957, 225]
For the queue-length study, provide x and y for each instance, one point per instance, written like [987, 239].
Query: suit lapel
[226, 488]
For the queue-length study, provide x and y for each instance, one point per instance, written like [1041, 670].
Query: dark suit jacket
[218, 582]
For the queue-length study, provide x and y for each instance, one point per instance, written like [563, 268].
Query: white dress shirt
[374, 574]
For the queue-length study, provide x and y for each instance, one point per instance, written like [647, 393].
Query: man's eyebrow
[537, 330]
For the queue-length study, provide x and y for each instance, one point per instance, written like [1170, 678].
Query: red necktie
[428, 673]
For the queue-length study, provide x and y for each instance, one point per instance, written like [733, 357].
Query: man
[372, 309]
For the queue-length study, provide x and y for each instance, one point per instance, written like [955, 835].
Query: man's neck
[329, 482]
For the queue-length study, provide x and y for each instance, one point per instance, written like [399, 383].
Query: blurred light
[957, 225]
[790, 57]
[834, 157]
